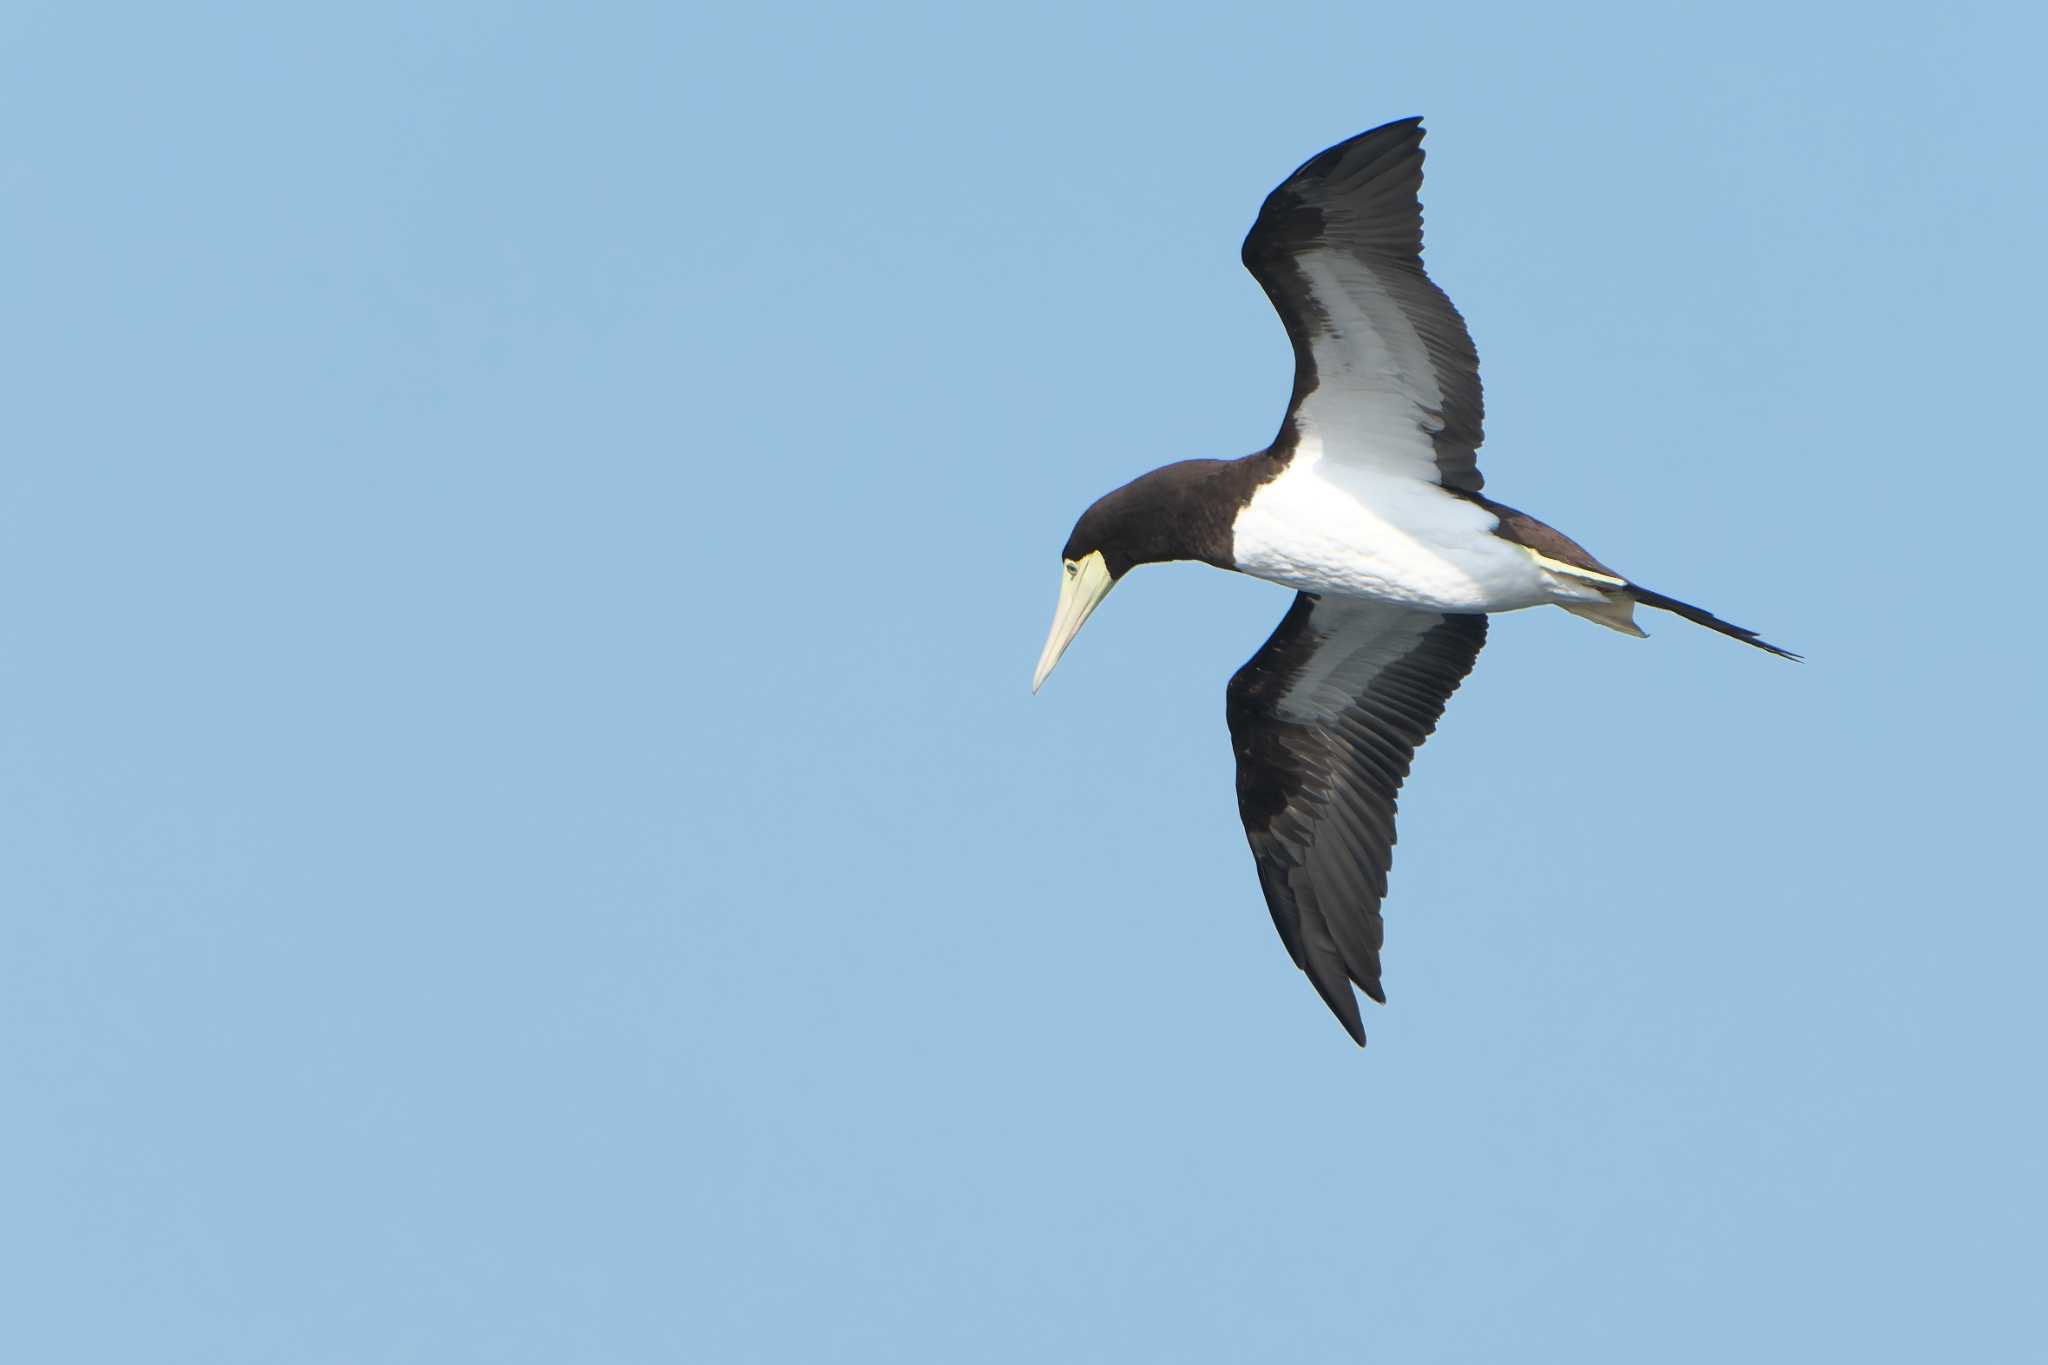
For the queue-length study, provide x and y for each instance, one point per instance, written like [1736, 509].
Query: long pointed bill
[1081, 592]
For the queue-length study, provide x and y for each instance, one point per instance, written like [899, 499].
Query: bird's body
[1322, 526]
[1369, 505]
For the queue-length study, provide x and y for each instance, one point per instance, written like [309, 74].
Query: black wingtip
[1337, 995]
[1396, 132]
[1353, 1025]
[1391, 141]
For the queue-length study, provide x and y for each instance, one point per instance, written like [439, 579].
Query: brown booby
[1368, 504]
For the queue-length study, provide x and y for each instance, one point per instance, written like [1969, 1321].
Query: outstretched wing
[1384, 370]
[1325, 719]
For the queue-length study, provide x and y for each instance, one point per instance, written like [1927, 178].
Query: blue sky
[523, 538]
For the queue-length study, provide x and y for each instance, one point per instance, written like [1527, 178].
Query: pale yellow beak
[1086, 583]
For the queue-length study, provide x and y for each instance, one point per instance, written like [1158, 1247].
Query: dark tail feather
[1705, 618]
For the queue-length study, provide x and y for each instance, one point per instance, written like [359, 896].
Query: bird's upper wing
[1325, 719]
[1384, 370]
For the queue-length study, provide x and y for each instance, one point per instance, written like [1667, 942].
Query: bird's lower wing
[1325, 719]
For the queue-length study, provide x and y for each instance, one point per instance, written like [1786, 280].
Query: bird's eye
[1072, 568]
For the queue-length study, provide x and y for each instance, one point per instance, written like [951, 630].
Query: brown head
[1184, 511]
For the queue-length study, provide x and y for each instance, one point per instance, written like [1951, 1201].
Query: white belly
[1324, 527]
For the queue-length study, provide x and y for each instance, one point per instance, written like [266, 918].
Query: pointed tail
[1705, 618]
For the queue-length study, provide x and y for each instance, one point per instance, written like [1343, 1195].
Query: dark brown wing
[1325, 719]
[1384, 370]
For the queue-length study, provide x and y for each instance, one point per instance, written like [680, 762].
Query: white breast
[1328, 527]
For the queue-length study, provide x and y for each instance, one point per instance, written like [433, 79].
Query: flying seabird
[1368, 504]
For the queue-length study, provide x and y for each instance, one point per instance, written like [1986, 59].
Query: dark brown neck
[1183, 511]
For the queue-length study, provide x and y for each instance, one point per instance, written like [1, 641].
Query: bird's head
[1161, 516]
